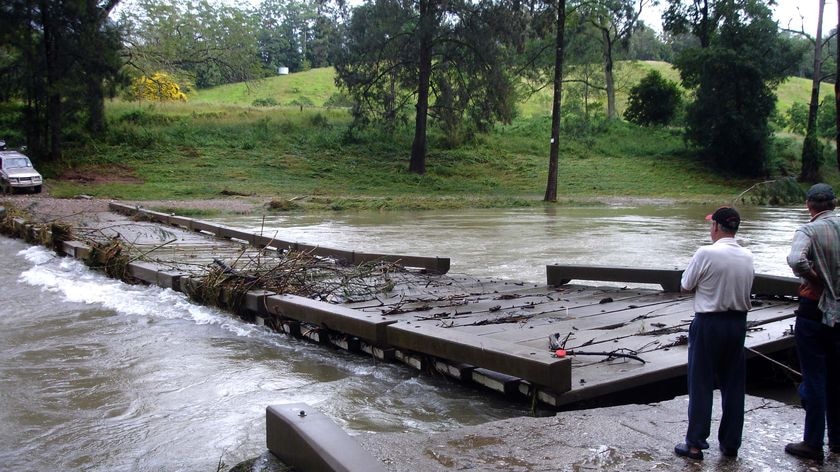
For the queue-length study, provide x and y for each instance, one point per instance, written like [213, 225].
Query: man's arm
[798, 260]
[691, 275]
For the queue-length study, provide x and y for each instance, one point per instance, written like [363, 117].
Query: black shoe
[801, 449]
[684, 450]
[704, 445]
[727, 452]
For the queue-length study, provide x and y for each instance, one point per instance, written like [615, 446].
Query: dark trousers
[716, 352]
[818, 347]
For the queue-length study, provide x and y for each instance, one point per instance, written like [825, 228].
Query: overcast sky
[785, 12]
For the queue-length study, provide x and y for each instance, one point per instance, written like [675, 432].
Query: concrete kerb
[367, 326]
[499, 356]
[307, 440]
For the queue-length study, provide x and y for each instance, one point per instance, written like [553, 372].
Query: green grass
[317, 85]
[218, 144]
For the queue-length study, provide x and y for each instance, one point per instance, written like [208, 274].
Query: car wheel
[36, 189]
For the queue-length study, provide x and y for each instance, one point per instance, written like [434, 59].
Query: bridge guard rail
[668, 279]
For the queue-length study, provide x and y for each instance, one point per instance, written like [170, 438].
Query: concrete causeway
[498, 334]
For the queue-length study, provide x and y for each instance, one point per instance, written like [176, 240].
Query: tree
[653, 101]
[615, 21]
[734, 79]
[66, 54]
[645, 45]
[696, 17]
[434, 55]
[209, 44]
[557, 102]
[285, 32]
[811, 147]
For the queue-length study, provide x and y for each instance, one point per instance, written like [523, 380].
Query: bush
[826, 113]
[265, 102]
[797, 118]
[653, 101]
[339, 100]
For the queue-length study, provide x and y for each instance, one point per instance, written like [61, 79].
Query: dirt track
[46, 208]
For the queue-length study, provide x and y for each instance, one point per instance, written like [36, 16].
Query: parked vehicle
[17, 172]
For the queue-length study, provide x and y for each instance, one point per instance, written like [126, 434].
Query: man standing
[815, 258]
[721, 275]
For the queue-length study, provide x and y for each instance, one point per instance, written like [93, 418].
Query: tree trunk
[554, 152]
[811, 149]
[837, 101]
[53, 102]
[609, 78]
[417, 164]
[705, 25]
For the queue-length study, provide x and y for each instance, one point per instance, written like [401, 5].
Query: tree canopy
[60, 59]
[734, 77]
[432, 56]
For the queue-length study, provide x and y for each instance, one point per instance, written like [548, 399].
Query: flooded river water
[99, 375]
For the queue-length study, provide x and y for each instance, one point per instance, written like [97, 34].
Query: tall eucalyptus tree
[811, 146]
[615, 21]
[446, 59]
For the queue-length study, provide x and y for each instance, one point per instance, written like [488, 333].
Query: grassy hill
[220, 144]
[318, 85]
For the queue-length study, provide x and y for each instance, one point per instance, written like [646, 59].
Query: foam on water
[76, 283]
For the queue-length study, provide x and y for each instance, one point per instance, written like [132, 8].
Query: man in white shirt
[721, 277]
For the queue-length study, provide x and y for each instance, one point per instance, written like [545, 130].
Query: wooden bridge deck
[487, 331]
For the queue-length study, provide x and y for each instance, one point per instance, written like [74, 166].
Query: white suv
[16, 172]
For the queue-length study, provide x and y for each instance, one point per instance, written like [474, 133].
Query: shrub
[265, 102]
[653, 101]
[339, 100]
[160, 86]
[797, 118]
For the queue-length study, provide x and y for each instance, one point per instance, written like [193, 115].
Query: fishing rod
[774, 361]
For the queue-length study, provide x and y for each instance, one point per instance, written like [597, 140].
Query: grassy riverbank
[218, 144]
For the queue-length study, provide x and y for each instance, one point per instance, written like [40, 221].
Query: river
[100, 375]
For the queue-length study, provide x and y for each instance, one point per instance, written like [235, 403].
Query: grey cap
[820, 193]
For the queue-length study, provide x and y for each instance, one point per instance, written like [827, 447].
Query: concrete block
[382, 353]
[181, 221]
[508, 358]
[143, 271]
[292, 328]
[458, 371]
[203, 226]
[367, 326]
[410, 359]
[76, 249]
[122, 208]
[156, 216]
[307, 440]
[233, 233]
[255, 300]
[265, 241]
[343, 341]
[170, 279]
[669, 280]
[502, 383]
